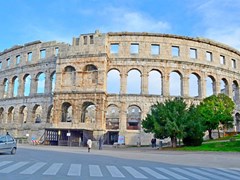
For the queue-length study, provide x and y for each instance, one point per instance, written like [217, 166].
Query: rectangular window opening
[0, 65]
[234, 65]
[193, 53]
[30, 56]
[134, 48]
[56, 51]
[84, 40]
[8, 62]
[91, 40]
[175, 51]
[114, 49]
[18, 59]
[155, 49]
[42, 53]
[222, 59]
[209, 56]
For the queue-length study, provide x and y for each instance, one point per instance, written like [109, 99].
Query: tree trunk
[174, 142]
[210, 133]
[218, 132]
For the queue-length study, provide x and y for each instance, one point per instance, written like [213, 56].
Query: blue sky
[24, 21]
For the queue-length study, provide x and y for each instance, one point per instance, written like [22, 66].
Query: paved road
[45, 162]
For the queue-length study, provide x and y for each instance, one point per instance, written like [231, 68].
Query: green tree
[194, 129]
[216, 109]
[167, 120]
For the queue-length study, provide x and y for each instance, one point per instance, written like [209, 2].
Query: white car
[8, 144]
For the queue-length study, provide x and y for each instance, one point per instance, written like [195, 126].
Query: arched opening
[53, 81]
[194, 85]
[88, 112]
[224, 86]
[1, 115]
[67, 113]
[92, 72]
[27, 84]
[134, 82]
[69, 76]
[133, 117]
[37, 113]
[210, 86]
[15, 86]
[49, 114]
[235, 89]
[11, 114]
[23, 112]
[5, 84]
[112, 117]
[175, 84]
[113, 81]
[40, 83]
[155, 82]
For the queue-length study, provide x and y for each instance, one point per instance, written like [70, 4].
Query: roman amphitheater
[104, 84]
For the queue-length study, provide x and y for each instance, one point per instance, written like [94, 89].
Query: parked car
[8, 144]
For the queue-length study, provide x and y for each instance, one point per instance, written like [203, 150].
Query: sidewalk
[205, 159]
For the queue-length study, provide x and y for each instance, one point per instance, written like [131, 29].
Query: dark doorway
[111, 137]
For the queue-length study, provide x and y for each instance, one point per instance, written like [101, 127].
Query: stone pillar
[165, 85]
[217, 88]
[230, 89]
[123, 118]
[123, 89]
[144, 83]
[20, 87]
[185, 86]
[1, 90]
[48, 85]
[10, 89]
[33, 89]
[203, 88]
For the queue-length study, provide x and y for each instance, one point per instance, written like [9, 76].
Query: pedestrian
[100, 142]
[154, 142]
[89, 144]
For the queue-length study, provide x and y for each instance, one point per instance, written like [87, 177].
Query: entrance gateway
[75, 137]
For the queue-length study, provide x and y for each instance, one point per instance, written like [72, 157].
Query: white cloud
[125, 20]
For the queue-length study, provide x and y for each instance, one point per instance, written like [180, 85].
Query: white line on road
[53, 169]
[75, 170]
[13, 167]
[32, 169]
[114, 171]
[95, 171]
[134, 172]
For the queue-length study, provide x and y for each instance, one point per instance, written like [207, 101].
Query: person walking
[89, 144]
[100, 142]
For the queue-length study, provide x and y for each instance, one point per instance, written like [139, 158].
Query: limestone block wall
[71, 85]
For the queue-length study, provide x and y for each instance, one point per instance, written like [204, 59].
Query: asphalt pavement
[204, 159]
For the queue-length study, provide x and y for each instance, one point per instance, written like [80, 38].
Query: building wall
[81, 100]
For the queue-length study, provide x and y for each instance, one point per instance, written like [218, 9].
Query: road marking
[114, 171]
[196, 176]
[53, 169]
[205, 173]
[32, 169]
[134, 172]
[232, 171]
[4, 163]
[171, 173]
[95, 170]
[13, 167]
[153, 173]
[221, 173]
[75, 170]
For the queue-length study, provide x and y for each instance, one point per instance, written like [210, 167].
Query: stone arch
[224, 86]
[49, 114]
[23, 112]
[92, 72]
[40, 78]
[210, 85]
[175, 83]
[88, 112]
[194, 85]
[69, 76]
[53, 81]
[235, 89]
[6, 87]
[10, 117]
[134, 114]
[15, 84]
[112, 117]
[67, 112]
[113, 81]
[27, 84]
[134, 81]
[37, 113]
[155, 82]
[237, 121]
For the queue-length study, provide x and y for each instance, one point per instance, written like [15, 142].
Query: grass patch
[227, 146]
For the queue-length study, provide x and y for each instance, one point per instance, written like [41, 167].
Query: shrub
[192, 141]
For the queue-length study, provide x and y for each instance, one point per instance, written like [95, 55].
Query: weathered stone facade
[69, 99]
